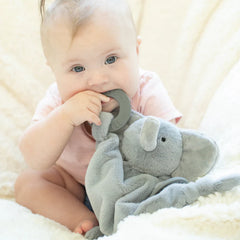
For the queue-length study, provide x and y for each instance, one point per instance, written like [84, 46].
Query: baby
[91, 47]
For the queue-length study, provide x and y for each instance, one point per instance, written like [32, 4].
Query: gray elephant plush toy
[148, 165]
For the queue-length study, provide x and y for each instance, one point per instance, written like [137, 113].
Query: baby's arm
[44, 141]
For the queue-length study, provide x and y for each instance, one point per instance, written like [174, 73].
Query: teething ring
[124, 109]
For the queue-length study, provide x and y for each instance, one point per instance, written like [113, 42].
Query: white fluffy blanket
[207, 75]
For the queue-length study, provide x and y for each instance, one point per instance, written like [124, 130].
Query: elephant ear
[149, 134]
[199, 155]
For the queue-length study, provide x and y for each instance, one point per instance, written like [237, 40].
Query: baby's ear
[199, 155]
[149, 134]
[139, 41]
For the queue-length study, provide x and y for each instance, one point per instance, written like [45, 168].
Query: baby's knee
[23, 185]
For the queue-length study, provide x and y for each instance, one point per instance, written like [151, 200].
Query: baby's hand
[84, 106]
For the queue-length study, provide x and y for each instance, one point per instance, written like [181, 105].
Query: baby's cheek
[133, 86]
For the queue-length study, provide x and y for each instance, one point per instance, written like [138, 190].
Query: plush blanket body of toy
[146, 166]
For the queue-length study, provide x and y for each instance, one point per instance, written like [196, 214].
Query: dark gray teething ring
[124, 109]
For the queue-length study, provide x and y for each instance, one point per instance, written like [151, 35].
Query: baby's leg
[55, 194]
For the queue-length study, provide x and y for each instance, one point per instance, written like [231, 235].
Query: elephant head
[159, 148]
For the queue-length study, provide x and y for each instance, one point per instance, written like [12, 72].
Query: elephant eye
[163, 139]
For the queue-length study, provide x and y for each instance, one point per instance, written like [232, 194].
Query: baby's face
[102, 55]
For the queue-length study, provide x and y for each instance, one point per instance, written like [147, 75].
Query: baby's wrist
[65, 116]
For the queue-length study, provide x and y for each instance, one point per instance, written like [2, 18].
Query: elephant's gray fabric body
[148, 165]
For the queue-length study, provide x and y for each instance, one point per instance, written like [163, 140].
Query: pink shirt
[150, 99]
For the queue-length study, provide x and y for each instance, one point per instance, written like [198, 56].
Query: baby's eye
[111, 60]
[78, 69]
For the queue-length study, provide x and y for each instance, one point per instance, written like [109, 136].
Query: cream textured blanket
[204, 83]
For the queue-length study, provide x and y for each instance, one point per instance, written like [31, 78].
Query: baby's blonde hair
[75, 10]
[78, 11]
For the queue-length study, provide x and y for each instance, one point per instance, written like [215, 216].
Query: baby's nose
[97, 78]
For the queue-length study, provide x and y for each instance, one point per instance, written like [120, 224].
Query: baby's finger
[104, 98]
[94, 108]
[100, 96]
[94, 119]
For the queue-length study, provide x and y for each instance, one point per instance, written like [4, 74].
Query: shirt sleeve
[154, 99]
[50, 101]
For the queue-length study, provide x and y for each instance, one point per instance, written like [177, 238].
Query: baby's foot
[85, 226]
